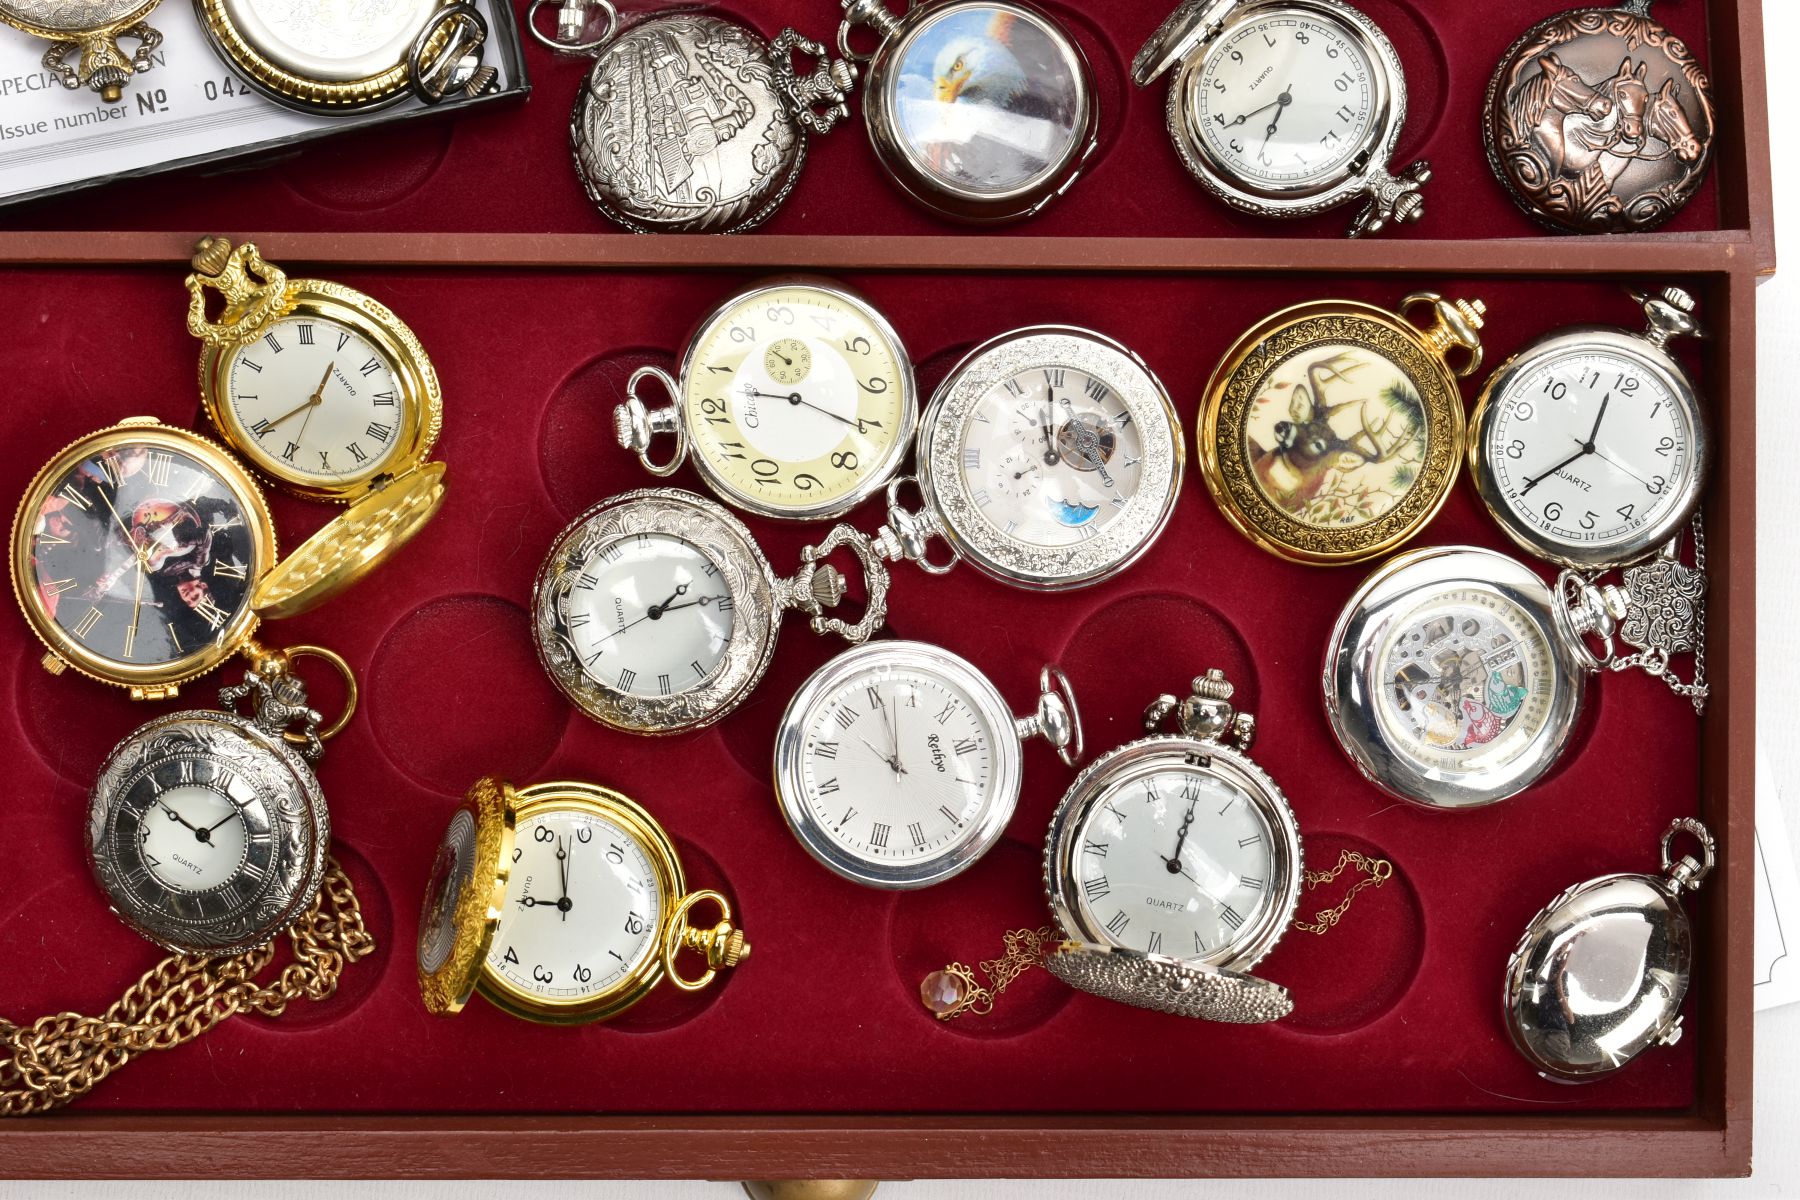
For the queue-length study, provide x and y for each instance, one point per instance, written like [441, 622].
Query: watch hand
[1246, 117]
[136, 550]
[655, 611]
[562, 866]
[1621, 466]
[175, 816]
[891, 762]
[1050, 455]
[1173, 862]
[1281, 102]
[796, 399]
[313, 401]
[137, 604]
[1598, 417]
[228, 817]
[894, 736]
[1586, 449]
[702, 602]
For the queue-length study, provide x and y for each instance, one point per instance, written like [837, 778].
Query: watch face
[583, 908]
[142, 555]
[1590, 449]
[1177, 861]
[335, 40]
[988, 98]
[315, 400]
[1286, 99]
[799, 399]
[650, 615]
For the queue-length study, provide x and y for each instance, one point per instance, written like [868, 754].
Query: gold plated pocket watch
[1331, 432]
[563, 903]
[92, 31]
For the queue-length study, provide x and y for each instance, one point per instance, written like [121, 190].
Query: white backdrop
[1777, 1031]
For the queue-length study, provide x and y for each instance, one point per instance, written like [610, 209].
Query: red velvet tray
[816, 1057]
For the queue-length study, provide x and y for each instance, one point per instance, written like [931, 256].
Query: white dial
[583, 907]
[1588, 448]
[317, 399]
[1286, 99]
[897, 765]
[1051, 456]
[650, 615]
[193, 838]
[1178, 861]
[331, 39]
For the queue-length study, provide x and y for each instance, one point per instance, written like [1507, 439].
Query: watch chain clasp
[1057, 719]
[102, 65]
[278, 696]
[907, 534]
[1392, 199]
[453, 38]
[857, 13]
[637, 425]
[1206, 713]
[820, 98]
[723, 946]
[1670, 313]
[1659, 611]
[1455, 324]
[255, 293]
[818, 585]
[572, 17]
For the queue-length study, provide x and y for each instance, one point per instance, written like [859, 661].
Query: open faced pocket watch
[347, 58]
[1332, 432]
[980, 110]
[563, 903]
[655, 611]
[1454, 675]
[898, 764]
[90, 31]
[1050, 458]
[690, 123]
[1287, 108]
[794, 399]
[1600, 972]
[1599, 120]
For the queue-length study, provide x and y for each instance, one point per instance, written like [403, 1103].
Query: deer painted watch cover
[1332, 432]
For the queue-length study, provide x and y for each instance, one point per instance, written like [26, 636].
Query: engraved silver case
[950, 509]
[274, 791]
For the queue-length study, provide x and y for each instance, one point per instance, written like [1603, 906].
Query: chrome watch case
[1183, 44]
[1056, 719]
[1018, 81]
[951, 512]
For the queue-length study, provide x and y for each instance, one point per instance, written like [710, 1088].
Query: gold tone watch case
[162, 680]
[102, 65]
[1237, 385]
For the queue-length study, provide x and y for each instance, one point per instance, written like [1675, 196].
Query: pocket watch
[513, 869]
[1332, 432]
[1287, 108]
[91, 31]
[1600, 973]
[884, 730]
[1599, 120]
[1454, 675]
[326, 392]
[655, 612]
[348, 58]
[1589, 446]
[691, 123]
[1050, 458]
[794, 399]
[981, 110]
[208, 830]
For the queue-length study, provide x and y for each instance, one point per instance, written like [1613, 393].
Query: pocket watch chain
[61, 1057]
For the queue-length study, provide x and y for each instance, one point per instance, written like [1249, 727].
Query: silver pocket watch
[690, 123]
[898, 764]
[655, 612]
[1455, 675]
[1050, 458]
[208, 830]
[1173, 865]
[794, 400]
[1287, 108]
[1601, 971]
[979, 110]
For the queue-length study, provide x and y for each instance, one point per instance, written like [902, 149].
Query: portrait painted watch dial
[794, 399]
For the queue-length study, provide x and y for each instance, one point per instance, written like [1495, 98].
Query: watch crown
[828, 586]
[211, 254]
[735, 949]
[1676, 298]
[54, 665]
[1213, 685]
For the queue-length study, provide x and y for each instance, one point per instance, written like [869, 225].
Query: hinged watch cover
[464, 897]
[1164, 984]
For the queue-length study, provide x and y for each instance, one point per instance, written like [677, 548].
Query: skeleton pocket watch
[1454, 675]
[897, 765]
[1599, 120]
[1287, 108]
[795, 400]
[1332, 432]
[563, 903]
[1050, 458]
[655, 612]
[980, 110]
[690, 123]
[91, 32]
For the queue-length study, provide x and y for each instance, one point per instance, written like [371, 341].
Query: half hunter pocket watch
[348, 58]
[655, 611]
[1332, 432]
[898, 764]
[1050, 458]
[90, 31]
[980, 110]
[1599, 120]
[1455, 675]
[690, 123]
[563, 903]
[794, 399]
[1287, 108]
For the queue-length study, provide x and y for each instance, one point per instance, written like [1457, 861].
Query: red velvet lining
[1398, 1009]
[508, 169]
